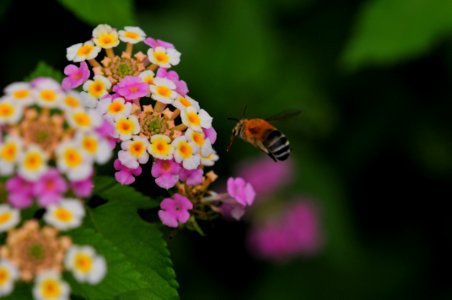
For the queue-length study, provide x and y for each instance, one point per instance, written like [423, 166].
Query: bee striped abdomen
[277, 145]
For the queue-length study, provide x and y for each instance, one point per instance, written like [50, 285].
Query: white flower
[125, 127]
[32, 163]
[82, 51]
[161, 147]
[210, 159]
[105, 36]
[95, 89]
[164, 57]
[183, 102]
[185, 153]
[85, 264]
[163, 90]
[134, 152]
[9, 218]
[10, 112]
[10, 152]
[20, 93]
[73, 161]
[71, 101]
[94, 146]
[49, 286]
[8, 275]
[131, 35]
[84, 120]
[66, 214]
[147, 76]
[48, 93]
[196, 120]
[114, 109]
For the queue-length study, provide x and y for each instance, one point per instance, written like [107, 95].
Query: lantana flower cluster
[49, 145]
[153, 117]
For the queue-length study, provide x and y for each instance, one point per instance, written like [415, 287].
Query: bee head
[235, 131]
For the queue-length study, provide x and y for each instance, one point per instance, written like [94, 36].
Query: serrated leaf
[388, 31]
[109, 189]
[118, 13]
[44, 70]
[142, 244]
[122, 276]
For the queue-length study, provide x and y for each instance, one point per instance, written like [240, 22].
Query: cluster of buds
[49, 145]
[153, 117]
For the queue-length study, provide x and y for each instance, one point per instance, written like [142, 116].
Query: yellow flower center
[4, 276]
[125, 126]
[97, 88]
[90, 144]
[185, 150]
[72, 158]
[131, 35]
[149, 79]
[161, 57]
[5, 217]
[72, 101]
[9, 152]
[107, 40]
[20, 94]
[48, 95]
[116, 107]
[85, 50]
[51, 289]
[198, 138]
[33, 161]
[193, 118]
[6, 110]
[83, 262]
[82, 119]
[137, 148]
[63, 214]
[184, 102]
[163, 91]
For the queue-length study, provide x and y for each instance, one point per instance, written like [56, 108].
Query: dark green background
[372, 147]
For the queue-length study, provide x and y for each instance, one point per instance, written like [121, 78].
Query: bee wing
[286, 114]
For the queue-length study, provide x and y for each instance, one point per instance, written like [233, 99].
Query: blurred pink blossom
[124, 175]
[49, 189]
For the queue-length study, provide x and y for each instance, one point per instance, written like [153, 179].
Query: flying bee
[263, 135]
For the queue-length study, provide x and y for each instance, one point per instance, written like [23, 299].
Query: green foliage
[141, 242]
[4, 5]
[390, 31]
[44, 70]
[117, 13]
[121, 277]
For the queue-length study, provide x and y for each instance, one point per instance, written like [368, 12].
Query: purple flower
[75, 76]
[83, 188]
[20, 192]
[49, 189]
[241, 191]
[174, 211]
[165, 172]
[191, 177]
[294, 231]
[125, 176]
[158, 43]
[265, 175]
[181, 86]
[131, 87]
[211, 134]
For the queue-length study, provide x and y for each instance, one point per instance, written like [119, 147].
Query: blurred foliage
[372, 146]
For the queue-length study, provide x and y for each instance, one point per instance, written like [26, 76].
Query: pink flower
[131, 88]
[174, 211]
[49, 189]
[107, 130]
[83, 188]
[241, 191]
[165, 172]
[265, 175]
[125, 176]
[20, 192]
[75, 76]
[211, 134]
[181, 86]
[191, 177]
[294, 231]
[158, 43]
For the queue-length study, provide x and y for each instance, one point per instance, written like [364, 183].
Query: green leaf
[109, 189]
[22, 291]
[118, 13]
[389, 31]
[121, 277]
[142, 244]
[44, 70]
[4, 6]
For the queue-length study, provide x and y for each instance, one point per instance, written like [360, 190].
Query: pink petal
[167, 219]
